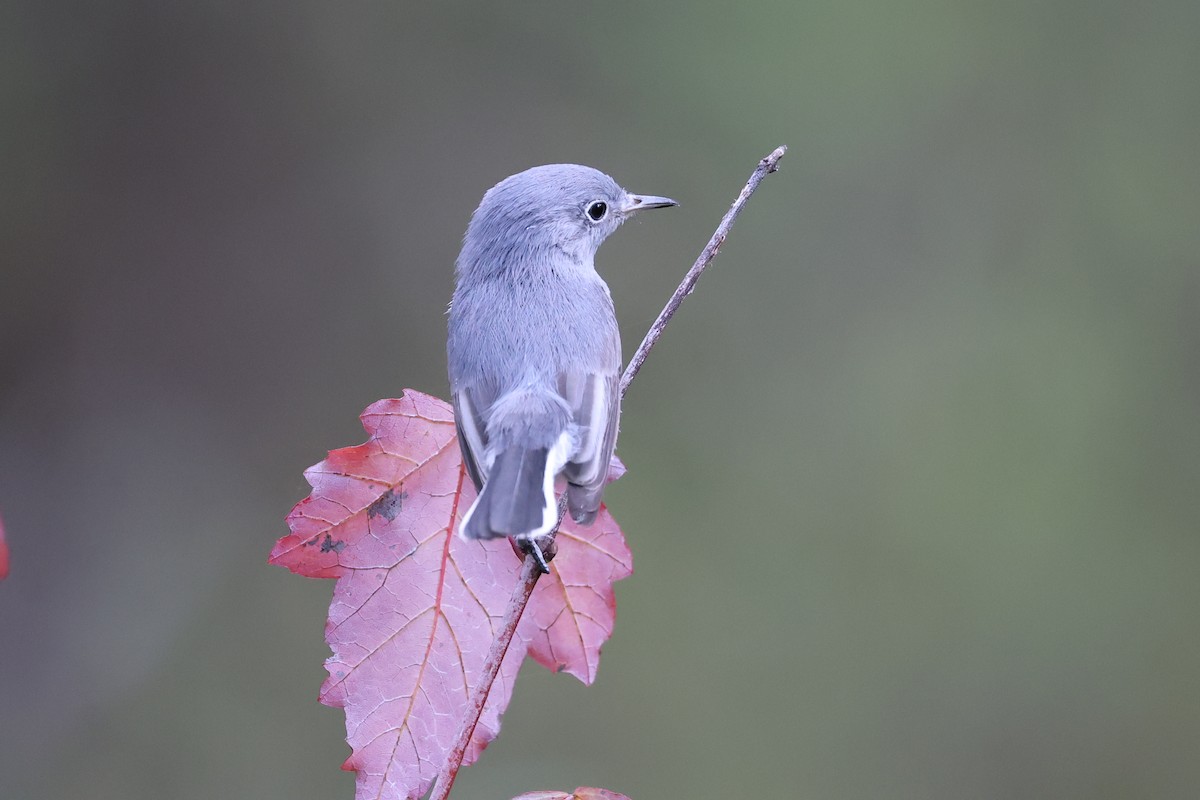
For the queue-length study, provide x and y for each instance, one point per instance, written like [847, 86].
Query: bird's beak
[637, 202]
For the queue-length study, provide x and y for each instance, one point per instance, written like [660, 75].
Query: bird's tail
[517, 499]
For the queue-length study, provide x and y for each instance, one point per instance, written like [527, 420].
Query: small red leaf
[589, 561]
[415, 607]
[582, 793]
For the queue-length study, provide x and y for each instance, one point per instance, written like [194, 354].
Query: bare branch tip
[772, 161]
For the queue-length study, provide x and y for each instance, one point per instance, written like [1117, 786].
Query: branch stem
[530, 570]
[765, 167]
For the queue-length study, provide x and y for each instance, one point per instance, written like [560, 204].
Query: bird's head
[554, 211]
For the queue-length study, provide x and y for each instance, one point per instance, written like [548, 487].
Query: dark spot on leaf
[336, 545]
[387, 506]
[560, 667]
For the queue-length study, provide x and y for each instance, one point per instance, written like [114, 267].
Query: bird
[534, 351]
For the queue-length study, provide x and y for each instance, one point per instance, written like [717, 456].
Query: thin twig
[764, 168]
[530, 570]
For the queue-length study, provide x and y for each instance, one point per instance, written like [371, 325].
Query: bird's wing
[595, 402]
[470, 404]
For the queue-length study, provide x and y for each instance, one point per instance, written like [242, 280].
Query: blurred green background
[914, 476]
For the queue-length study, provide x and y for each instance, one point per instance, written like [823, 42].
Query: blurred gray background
[914, 476]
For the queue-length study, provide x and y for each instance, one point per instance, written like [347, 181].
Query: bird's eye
[597, 210]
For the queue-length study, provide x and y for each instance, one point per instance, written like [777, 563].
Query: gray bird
[534, 350]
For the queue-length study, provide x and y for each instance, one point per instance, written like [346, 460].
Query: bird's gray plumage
[534, 350]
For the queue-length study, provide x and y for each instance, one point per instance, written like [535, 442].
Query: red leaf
[415, 606]
[3, 553]
[582, 793]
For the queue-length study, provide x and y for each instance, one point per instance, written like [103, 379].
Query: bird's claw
[531, 547]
